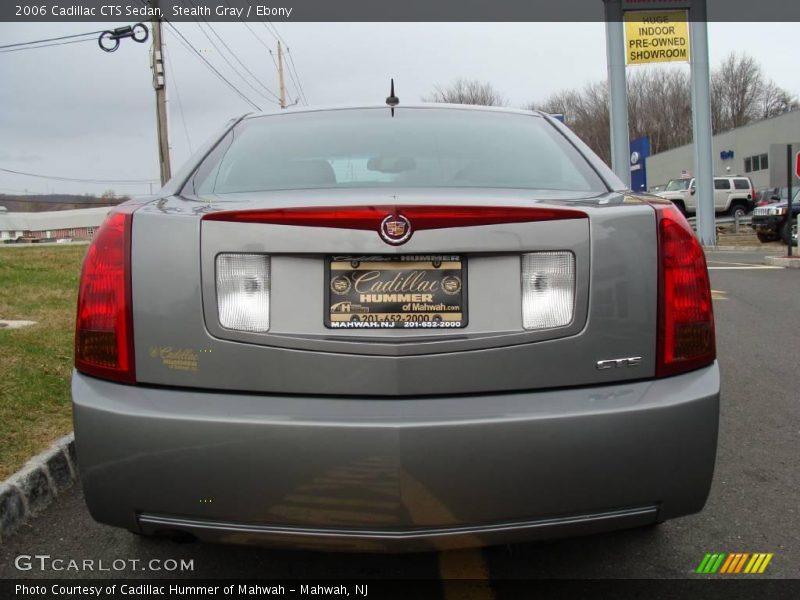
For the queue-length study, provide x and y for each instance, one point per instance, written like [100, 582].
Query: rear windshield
[415, 148]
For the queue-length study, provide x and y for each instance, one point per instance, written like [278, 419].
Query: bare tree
[659, 104]
[738, 84]
[586, 112]
[775, 101]
[466, 91]
[659, 107]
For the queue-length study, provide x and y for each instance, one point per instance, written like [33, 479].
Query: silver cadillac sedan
[409, 328]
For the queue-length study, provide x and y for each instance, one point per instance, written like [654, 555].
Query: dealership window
[759, 162]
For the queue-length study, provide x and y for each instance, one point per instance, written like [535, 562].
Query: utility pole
[281, 85]
[160, 85]
[701, 124]
[618, 90]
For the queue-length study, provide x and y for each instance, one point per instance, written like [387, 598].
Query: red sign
[797, 165]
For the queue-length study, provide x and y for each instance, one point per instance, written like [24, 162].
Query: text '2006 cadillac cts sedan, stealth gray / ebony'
[421, 328]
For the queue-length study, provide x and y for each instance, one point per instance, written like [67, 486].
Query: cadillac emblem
[340, 285]
[395, 229]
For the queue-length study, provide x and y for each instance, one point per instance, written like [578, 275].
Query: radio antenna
[392, 100]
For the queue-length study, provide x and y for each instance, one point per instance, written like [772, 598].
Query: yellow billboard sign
[653, 36]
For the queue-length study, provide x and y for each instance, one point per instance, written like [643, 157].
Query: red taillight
[685, 312]
[104, 325]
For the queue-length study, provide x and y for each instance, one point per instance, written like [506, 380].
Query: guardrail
[726, 220]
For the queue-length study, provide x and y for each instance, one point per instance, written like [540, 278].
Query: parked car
[768, 195]
[412, 328]
[775, 222]
[732, 195]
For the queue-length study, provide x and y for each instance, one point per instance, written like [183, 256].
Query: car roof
[425, 105]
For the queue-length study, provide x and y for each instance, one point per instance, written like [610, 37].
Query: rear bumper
[396, 474]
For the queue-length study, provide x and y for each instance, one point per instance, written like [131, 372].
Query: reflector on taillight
[548, 289]
[685, 312]
[243, 291]
[104, 324]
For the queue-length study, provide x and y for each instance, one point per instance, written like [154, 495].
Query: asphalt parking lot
[752, 508]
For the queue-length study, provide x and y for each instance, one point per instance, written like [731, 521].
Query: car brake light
[685, 313]
[104, 324]
[421, 217]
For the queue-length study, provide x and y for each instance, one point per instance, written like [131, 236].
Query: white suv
[732, 195]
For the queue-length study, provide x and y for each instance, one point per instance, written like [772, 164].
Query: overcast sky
[75, 111]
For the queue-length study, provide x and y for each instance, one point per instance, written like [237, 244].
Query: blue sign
[640, 150]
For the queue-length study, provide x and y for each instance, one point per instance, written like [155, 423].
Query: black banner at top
[378, 10]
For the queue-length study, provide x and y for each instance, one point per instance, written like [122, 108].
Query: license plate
[420, 292]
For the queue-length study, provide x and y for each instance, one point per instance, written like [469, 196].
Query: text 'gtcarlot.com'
[45, 562]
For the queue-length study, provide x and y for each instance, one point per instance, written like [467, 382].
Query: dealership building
[79, 224]
[757, 150]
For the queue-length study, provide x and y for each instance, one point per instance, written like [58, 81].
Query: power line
[99, 203]
[78, 180]
[289, 70]
[297, 90]
[45, 46]
[189, 46]
[298, 83]
[55, 39]
[241, 63]
[255, 35]
[180, 104]
[276, 34]
[233, 54]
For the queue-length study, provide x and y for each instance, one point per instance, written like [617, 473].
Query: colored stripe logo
[733, 563]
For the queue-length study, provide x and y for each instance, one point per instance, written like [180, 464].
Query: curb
[783, 261]
[36, 485]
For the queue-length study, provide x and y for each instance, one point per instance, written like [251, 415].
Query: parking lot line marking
[718, 295]
[750, 268]
[426, 509]
[726, 262]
